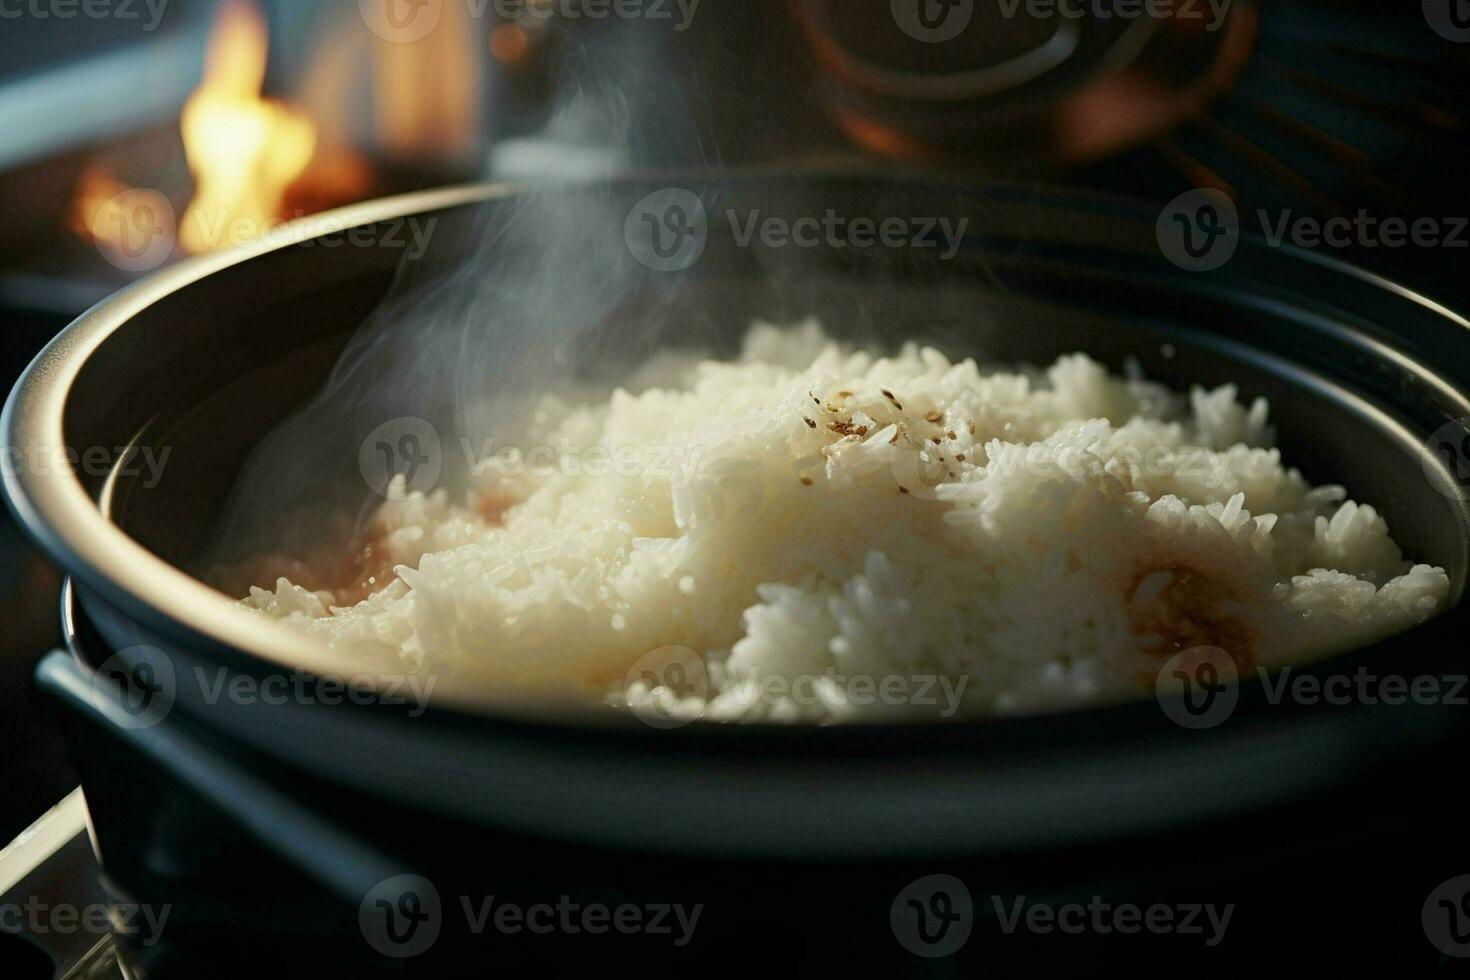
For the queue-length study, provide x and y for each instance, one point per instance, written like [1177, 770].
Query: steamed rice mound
[811, 511]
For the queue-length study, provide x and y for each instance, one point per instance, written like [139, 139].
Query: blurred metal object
[48, 869]
[1003, 91]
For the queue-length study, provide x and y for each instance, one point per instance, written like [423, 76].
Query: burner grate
[1344, 108]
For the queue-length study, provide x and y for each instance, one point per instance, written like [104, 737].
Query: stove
[1314, 109]
[1343, 882]
[47, 871]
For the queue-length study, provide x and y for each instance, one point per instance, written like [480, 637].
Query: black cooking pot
[475, 787]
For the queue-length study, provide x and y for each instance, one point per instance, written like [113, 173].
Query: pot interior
[208, 370]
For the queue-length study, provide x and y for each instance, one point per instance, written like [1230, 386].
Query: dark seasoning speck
[847, 428]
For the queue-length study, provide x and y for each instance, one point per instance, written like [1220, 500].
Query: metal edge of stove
[49, 869]
[34, 127]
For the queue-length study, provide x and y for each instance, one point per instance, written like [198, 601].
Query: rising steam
[469, 341]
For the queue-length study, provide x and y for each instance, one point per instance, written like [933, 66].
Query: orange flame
[244, 151]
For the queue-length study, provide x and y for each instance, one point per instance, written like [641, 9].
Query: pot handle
[337, 860]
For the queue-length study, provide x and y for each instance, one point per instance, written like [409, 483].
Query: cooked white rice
[809, 523]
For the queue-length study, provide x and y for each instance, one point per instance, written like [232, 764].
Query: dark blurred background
[1298, 108]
